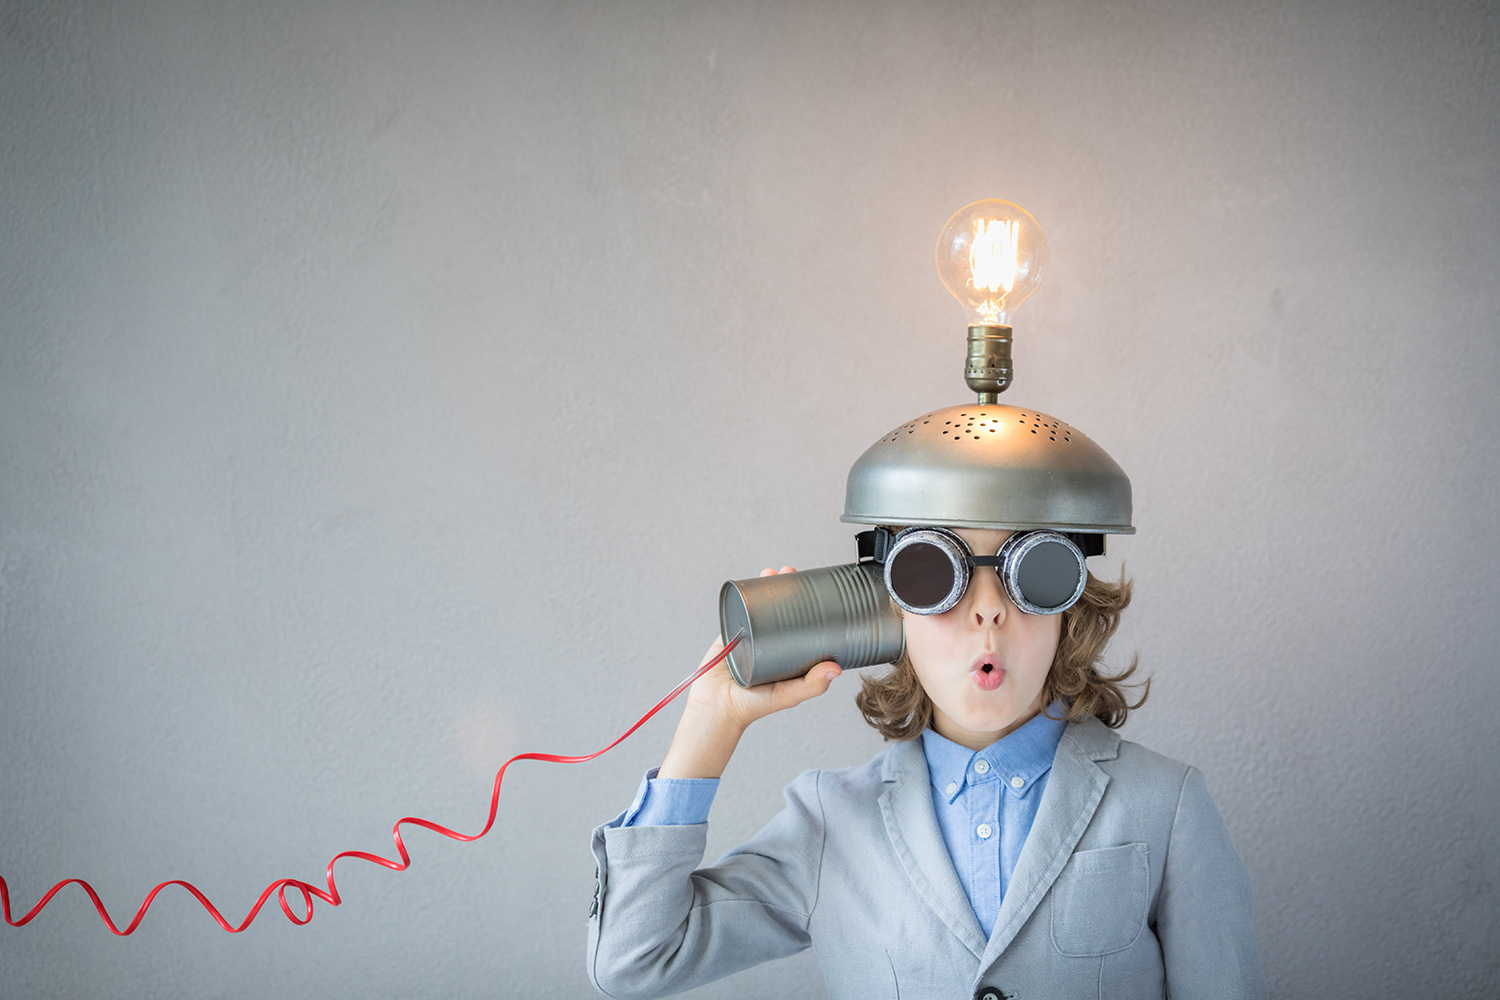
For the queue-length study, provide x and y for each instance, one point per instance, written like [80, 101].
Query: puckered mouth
[987, 663]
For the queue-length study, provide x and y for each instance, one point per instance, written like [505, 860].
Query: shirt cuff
[669, 802]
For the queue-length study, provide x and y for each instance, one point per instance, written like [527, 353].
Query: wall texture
[387, 388]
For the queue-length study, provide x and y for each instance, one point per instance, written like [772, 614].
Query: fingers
[822, 676]
[774, 572]
[796, 690]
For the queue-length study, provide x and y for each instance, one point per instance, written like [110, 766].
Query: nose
[988, 603]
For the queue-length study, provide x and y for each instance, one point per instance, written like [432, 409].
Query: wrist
[702, 746]
[716, 719]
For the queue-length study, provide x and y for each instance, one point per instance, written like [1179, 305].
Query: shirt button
[982, 766]
[984, 831]
[1018, 782]
[952, 787]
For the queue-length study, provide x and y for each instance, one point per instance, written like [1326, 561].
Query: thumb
[817, 680]
[795, 690]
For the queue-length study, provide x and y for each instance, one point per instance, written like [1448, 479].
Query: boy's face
[983, 661]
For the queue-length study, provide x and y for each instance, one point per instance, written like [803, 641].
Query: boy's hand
[718, 711]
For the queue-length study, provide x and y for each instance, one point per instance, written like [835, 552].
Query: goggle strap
[1088, 542]
[874, 544]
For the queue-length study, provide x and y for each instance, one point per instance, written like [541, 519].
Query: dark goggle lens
[921, 575]
[1048, 575]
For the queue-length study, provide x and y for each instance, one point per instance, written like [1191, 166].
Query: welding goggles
[927, 570]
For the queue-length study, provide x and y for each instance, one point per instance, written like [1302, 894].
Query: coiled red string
[331, 896]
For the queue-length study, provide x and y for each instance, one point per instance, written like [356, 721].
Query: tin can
[793, 621]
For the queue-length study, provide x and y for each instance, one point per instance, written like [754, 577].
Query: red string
[331, 896]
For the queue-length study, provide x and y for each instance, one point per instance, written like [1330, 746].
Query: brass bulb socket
[988, 370]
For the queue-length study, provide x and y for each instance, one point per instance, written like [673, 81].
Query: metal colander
[988, 465]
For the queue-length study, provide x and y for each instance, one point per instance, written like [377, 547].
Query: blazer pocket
[1099, 901]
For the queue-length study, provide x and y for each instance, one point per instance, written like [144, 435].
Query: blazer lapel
[912, 827]
[1074, 787]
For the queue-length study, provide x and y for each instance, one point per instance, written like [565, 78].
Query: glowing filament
[992, 257]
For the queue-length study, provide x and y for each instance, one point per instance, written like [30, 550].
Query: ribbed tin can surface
[795, 620]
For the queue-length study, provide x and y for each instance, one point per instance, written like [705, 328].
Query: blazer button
[991, 993]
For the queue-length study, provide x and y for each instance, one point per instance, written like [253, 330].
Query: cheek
[1046, 630]
[1040, 642]
[929, 642]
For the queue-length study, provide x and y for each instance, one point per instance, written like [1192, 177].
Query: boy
[1007, 844]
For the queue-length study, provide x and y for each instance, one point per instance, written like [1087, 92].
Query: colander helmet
[989, 466]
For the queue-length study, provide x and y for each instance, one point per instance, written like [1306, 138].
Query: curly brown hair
[895, 704]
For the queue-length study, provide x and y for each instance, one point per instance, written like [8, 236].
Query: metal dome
[988, 465]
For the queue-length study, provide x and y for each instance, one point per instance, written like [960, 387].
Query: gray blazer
[1128, 886]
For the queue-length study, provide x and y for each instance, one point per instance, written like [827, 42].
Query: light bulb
[991, 256]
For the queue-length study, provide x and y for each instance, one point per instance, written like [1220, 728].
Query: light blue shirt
[985, 803]
[669, 802]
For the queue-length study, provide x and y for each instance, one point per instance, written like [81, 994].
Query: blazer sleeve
[659, 927]
[1203, 911]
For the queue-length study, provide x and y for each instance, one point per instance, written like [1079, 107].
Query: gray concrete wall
[386, 389]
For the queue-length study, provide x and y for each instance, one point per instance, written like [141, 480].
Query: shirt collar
[1026, 754]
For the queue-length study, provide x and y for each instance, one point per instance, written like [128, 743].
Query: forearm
[702, 746]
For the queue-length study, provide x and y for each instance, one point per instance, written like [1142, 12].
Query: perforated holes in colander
[910, 427]
[1038, 424]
